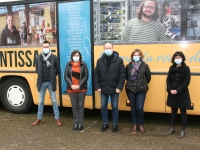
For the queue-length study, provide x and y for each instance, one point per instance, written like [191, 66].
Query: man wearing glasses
[145, 28]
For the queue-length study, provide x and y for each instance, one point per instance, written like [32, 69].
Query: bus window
[193, 20]
[123, 21]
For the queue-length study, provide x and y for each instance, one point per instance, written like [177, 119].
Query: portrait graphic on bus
[137, 21]
[28, 24]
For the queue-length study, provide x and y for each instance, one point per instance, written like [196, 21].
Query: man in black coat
[109, 77]
[47, 68]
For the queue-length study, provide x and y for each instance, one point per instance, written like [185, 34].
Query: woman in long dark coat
[178, 80]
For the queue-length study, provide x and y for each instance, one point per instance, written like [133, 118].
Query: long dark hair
[154, 17]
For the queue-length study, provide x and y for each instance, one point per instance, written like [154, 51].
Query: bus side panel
[155, 98]
[158, 57]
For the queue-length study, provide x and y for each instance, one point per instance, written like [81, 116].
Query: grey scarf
[46, 58]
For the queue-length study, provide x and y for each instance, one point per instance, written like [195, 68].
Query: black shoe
[75, 127]
[80, 127]
[104, 127]
[182, 134]
[115, 128]
[171, 131]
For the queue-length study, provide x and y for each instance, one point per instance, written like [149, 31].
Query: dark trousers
[137, 104]
[77, 101]
[183, 116]
[104, 107]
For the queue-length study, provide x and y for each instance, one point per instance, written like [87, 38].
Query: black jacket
[140, 84]
[9, 38]
[178, 79]
[112, 78]
[83, 75]
[54, 70]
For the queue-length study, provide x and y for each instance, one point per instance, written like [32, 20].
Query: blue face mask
[45, 50]
[75, 58]
[136, 58]
[108, 52]
[178, 61]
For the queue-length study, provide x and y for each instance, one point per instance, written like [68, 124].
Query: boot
[182, 134]
[134, 128]
[141, 129]
[171, 131]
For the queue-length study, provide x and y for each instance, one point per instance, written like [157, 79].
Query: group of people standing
[109, 78]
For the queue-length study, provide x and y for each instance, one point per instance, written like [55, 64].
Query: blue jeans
[44, 86]
[137, 105]
[104, 107]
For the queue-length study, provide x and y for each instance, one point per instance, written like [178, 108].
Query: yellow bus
[86, 25]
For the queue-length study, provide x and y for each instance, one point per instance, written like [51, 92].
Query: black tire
[16, 95]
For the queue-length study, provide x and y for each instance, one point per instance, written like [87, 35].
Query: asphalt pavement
[17, 134]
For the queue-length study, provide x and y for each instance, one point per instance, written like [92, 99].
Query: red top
[75, 76]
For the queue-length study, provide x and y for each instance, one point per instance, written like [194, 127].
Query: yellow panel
[155, 100]
[153, 103]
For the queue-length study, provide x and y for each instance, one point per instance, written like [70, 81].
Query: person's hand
[77, 87]
[118, 90]
[99, 91]
[173, 92]
[73, 87]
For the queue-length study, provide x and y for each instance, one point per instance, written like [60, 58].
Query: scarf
[46, 58]
[75, 72]
[135, 69]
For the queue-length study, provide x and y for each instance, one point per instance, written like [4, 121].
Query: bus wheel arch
[16, 95]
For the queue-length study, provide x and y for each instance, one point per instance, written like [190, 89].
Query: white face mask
[75, 58]
[108, 52]
[45, 50]
[178, 61]
[136, 58]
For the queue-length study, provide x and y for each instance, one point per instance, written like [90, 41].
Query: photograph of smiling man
[145, 27]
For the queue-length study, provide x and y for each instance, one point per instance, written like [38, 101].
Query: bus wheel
[16, 95]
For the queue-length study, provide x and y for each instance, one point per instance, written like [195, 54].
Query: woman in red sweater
[76, 76]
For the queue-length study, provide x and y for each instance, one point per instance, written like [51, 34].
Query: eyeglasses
[149, 7]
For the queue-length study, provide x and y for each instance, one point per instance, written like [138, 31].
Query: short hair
[109, 43]
[45, 42]
[156, 13]
[9, 15]
[74, 52]
[178, 53]
[139, 51]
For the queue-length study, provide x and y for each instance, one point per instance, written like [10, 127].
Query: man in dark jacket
[10, 35]
[109, 77]
[47, 68]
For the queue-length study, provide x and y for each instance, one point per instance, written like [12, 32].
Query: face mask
[178, 61]
[75, 58]
[136, 58]
[45, 50]
[108, 52]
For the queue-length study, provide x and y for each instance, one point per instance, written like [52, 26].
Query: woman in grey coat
[178, 80]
